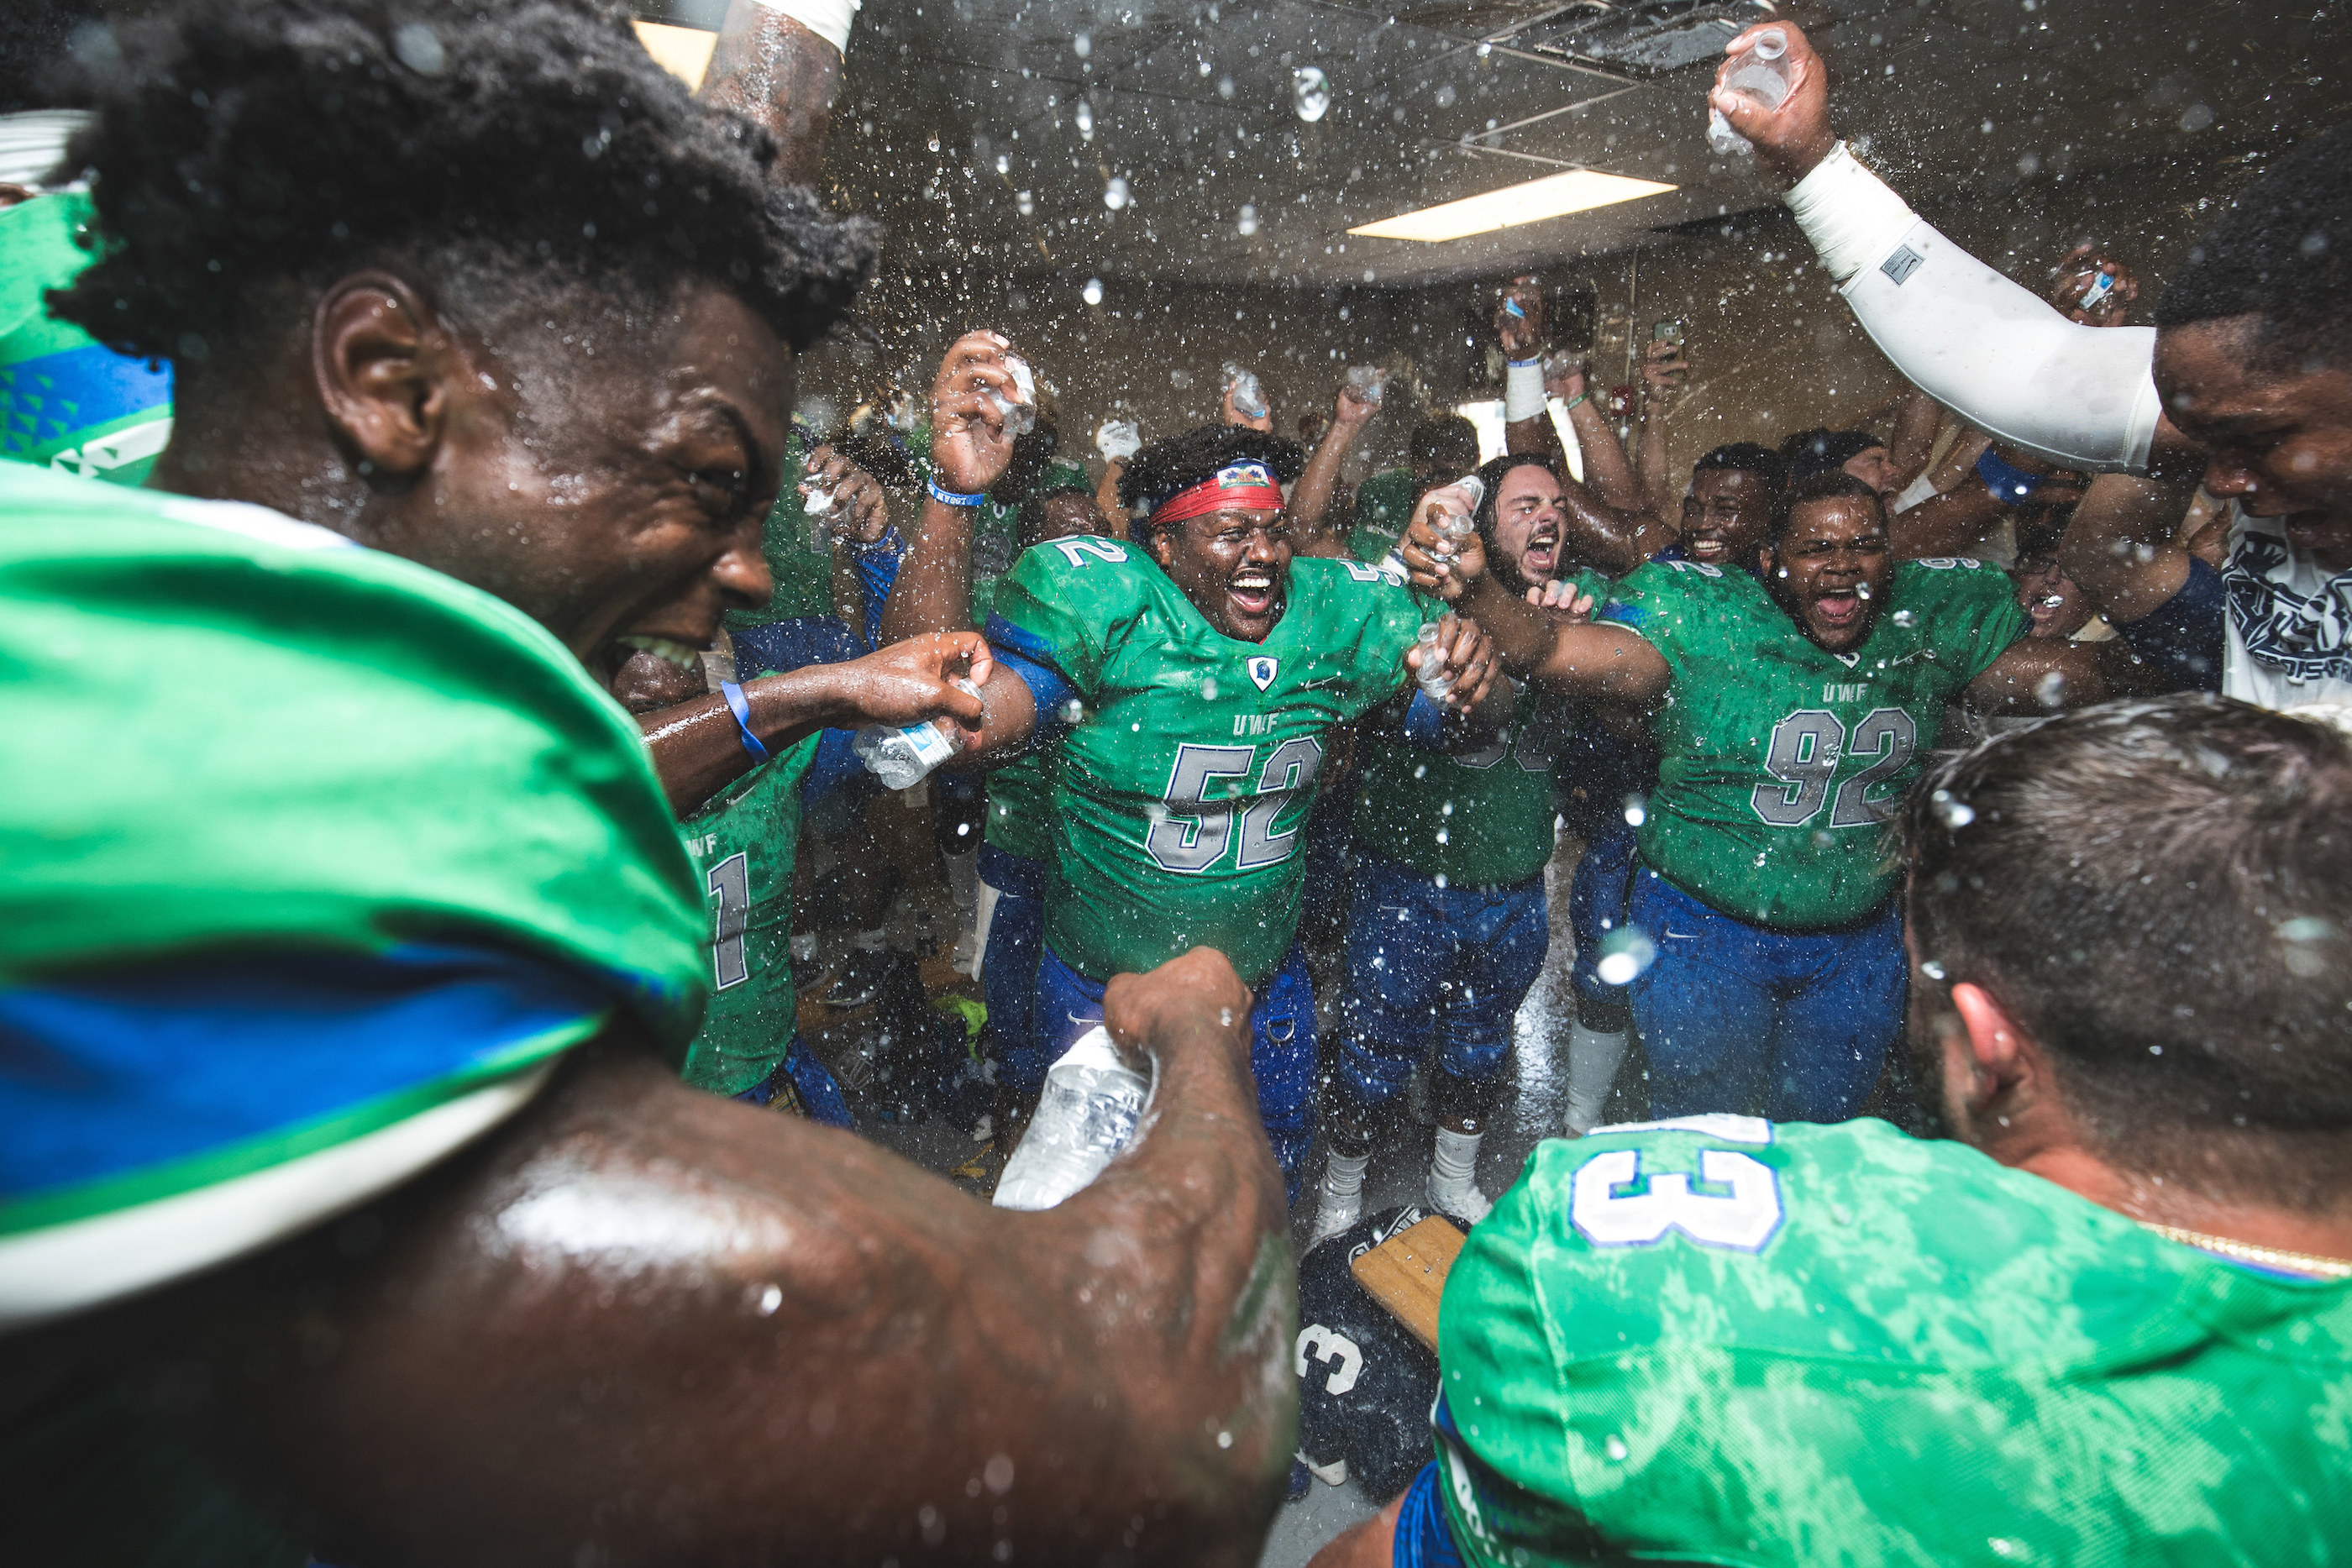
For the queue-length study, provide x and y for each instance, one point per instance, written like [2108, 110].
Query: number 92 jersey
[1720, 1340]
[1189, 771]
[1782, 760]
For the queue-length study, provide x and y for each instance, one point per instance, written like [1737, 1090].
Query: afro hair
[1164, 467]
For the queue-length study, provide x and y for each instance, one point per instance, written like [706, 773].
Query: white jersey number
[731, 884]
[1332, 1349]
[1191, 832]
[1743, 1214]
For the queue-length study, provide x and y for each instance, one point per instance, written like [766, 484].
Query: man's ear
[381, 362]
[2004, 1055]
[1162, 549]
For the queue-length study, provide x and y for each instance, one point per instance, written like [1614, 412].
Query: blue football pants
[1791, 1026]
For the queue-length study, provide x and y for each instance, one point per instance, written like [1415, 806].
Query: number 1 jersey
[1187, 776]
[1781, 757]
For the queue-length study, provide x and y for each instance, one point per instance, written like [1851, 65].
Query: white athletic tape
[828, 19]
[1523, 391]
[32, 145]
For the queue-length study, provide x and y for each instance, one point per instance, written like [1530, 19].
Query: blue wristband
[952, 498]
[742, 712]
[1523, 364]
[2010, 484]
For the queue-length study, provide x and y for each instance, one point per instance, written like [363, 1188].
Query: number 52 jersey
[1188, 774]
[1782, 759]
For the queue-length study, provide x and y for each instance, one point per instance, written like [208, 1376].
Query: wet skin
[1233, 565]
[2050, 598]
[1832, 571]
[1876, 469]
[2277, 437]
[1528, 520]
[1725, 516]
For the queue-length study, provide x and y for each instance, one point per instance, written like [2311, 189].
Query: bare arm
[1371, 1544]
[1606, 471]
[646, 1325]
[2039, 676]
[2119, 547]
[698, 748]
[1954, 523]
[775, 72]
[1916, 420]
[1611, 539]
[1107, 496]
[1310, 498]
[970, 450]
[1665, 373]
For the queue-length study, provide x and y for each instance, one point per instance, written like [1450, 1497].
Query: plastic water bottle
[1436, 679]
[1249, 397]
[1020, 410]
[1452, 526]
[1368, 383]
[1119, 439]
[817, 500]
[1761, 71]
[1093, 1101]
[902, 758]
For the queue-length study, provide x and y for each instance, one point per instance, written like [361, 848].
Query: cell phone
[1666, 332]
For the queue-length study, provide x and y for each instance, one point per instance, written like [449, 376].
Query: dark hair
[1032, 509]
[2279, 253]
[497, 153]
[1164, 467]
[2160, 893]
[1449, 441]
[1490, 473]
[1824, 451]
[1836, 485]
[1747, 457]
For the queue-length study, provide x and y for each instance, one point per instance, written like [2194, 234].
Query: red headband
[1244, 487]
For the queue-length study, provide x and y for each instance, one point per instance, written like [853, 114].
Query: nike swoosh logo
[1682, 936]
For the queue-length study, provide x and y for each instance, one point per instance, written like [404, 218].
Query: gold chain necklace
[2247, 1252]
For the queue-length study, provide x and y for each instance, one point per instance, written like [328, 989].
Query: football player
[1791, 707]
[1192, 676]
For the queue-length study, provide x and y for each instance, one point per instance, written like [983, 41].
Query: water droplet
[1084, 116]
[769, 1300]
[1444, 95]
[1247, 222]
[1003, 164]
[1209, 687]
[1116, 195]
[1225, 87]
[1312, 89]
[934, 142]
[1953, 813]
[1932, 969]
[1082, 45]
[1616, 1446]
[1092, 292]
[1026, 203]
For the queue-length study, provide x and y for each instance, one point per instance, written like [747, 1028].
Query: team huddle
[412, 1151]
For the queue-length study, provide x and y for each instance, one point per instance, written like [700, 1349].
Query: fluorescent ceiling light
[1554, 195]
[684, 52]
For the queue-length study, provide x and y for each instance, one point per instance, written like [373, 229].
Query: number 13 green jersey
[1187, 778]
[1781, 757]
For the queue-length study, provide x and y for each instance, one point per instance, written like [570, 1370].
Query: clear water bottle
[1367, 383]
[1092, 1104]
[1452, 526]
[1020, 410]
[1761, 71]
[1249, 397]
[1436, 679]
[902, 758]
[817, 502]
[1119, 439]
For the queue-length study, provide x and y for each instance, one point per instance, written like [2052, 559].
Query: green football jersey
[1191, 767]
[68, 401]
[1716, 1340]
[1021, 805]
[996, 526]
[743, 846]
[1782, 759]
[1383, 508]
[802, 573]
[1477, 819]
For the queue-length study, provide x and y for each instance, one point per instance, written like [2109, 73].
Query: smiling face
[1526, 525]
[631, 523]
[2278, 439]
[1832, 569]
[1235, 566]
[1725, 516]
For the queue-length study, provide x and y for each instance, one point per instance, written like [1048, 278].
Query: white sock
[1593, 1059]
[1342, 1202]
[1452, 1186]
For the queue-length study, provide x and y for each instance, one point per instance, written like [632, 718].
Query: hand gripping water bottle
[1249, 397]
[1368, 383]
[902, 758]
[1020, 410]
[1452, 526]
[1093, 1101]
[1761, 71]
[817, 502]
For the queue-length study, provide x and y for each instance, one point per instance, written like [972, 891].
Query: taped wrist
[828, 19]
[1850, 215]
[1523, 391]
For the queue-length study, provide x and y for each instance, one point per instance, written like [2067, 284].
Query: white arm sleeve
[828, 19]
[1989, 351]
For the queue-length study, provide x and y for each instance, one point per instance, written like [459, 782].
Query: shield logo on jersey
[1261, 670]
